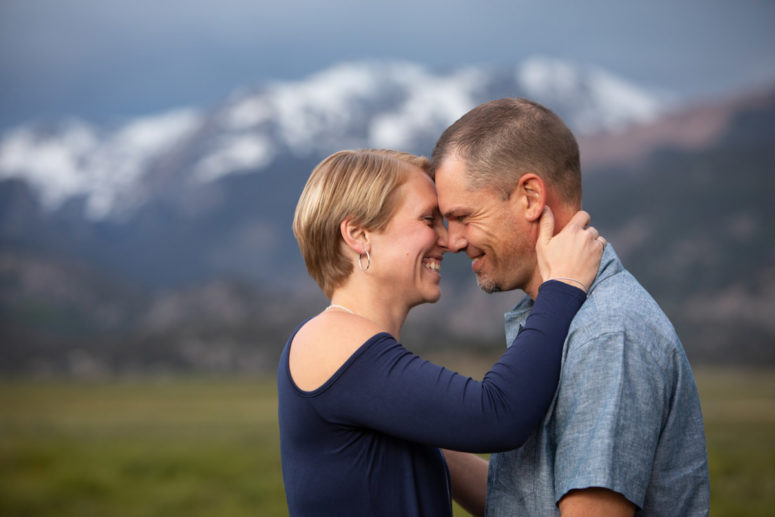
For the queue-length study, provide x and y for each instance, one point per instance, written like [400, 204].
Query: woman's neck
[374, 306]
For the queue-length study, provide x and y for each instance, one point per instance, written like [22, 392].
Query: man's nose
[455, 239]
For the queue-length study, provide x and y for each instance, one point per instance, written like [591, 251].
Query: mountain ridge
[193, 274]
[351, 105]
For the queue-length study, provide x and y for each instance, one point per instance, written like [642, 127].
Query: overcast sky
[103, 59]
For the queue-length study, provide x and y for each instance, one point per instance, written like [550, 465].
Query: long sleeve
[386, 388]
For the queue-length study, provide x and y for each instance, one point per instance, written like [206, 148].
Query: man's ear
[355, 237]
[529, 196]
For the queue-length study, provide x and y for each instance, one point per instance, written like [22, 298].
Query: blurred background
[151, 156]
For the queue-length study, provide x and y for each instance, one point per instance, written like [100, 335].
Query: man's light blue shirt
[626, 415]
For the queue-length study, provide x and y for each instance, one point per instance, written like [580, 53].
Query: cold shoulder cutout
[322, 344]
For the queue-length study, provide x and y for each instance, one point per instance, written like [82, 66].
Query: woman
[360, 416]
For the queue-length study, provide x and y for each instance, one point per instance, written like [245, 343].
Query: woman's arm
[385, 387]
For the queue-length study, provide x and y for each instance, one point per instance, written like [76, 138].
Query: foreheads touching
[501, 140]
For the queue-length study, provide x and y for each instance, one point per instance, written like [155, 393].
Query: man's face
[488, 228]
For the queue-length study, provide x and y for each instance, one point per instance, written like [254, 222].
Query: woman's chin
[427, 298]
[434, 297]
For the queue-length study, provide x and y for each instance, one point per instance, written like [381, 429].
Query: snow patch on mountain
[300, 113]
[51, 163]
[596, 100]
[431, 102]
[235, 154]
[77, 160]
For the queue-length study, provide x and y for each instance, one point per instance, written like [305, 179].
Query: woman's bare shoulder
[324, 344]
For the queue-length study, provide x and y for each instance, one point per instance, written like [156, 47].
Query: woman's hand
[573, 255]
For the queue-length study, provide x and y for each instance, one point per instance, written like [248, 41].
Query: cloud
[102, 59]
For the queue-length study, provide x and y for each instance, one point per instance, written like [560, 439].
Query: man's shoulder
[619, 308]
[618, 297]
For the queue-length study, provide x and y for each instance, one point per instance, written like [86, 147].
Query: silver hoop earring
[368, 261]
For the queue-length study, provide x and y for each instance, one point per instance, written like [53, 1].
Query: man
[624, 433]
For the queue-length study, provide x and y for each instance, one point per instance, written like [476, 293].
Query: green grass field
[207, 446]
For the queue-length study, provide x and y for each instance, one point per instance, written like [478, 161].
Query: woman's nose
[443, 236]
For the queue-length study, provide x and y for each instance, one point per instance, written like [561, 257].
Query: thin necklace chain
[335, 306]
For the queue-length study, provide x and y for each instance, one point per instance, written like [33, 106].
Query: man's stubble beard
[505, 283]
[487, 285]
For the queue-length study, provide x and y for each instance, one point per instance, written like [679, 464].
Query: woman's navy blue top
[366, 441]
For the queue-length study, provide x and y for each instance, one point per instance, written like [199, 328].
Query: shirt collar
[609, 266]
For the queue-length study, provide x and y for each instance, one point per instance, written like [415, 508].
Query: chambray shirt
[626, 415]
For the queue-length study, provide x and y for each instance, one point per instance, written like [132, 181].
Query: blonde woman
[361, 417]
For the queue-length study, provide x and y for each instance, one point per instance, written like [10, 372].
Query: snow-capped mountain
[365, 104]
[166, 241]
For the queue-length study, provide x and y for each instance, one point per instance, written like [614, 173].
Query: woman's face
[406, 256]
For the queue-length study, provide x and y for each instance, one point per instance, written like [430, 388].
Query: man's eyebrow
[453, 212]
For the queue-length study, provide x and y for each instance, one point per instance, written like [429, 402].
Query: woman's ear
[355, 237]
[529, 197]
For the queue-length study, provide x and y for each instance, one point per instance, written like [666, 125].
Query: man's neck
[531, 289]
[563, 213]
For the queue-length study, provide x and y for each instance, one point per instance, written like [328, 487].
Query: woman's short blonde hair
[360, 185]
